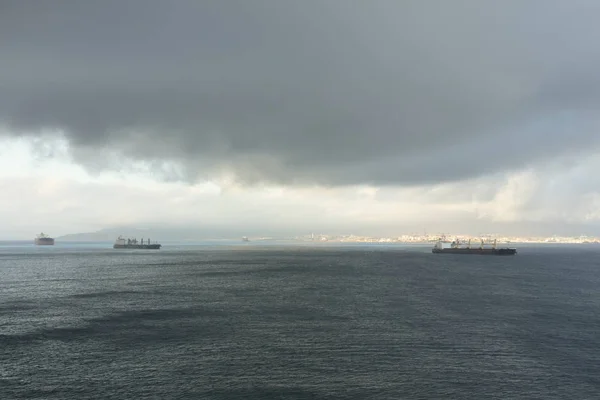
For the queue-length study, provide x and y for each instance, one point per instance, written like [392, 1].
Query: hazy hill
[159, 234]
[104, 235]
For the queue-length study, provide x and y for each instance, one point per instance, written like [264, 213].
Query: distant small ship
[43, 240]
[122, 243]
[456, 249]
[245, 239]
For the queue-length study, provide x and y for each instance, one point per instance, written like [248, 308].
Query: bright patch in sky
[44, 190]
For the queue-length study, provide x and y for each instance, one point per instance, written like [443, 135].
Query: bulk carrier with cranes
[122, 243]
[456, 248]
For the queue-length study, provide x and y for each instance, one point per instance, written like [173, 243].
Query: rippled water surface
[256, 322]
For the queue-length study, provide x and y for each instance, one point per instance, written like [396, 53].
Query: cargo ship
[43, 240]
[122, 243]
[455, 248]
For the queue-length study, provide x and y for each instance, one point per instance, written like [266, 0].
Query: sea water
[248, 321]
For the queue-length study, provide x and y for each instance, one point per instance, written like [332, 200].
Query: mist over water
[232, 320]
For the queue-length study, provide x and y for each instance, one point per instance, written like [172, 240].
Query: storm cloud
[328, 92]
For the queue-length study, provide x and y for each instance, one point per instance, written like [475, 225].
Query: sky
[272, 117]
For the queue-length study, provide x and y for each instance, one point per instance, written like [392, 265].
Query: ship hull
[44, 242]
[483, 252]
[137, 246]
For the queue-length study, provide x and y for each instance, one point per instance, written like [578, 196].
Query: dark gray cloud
[332, 92]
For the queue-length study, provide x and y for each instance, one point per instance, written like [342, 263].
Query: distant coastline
[109, 235]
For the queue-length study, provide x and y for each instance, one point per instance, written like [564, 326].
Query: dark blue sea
[229, 321]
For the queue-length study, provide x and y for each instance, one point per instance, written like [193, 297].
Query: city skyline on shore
[319, 237]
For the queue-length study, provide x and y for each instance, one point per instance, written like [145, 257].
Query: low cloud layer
[334, 93]
[558, 197]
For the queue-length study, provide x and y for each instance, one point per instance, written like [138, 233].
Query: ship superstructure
[43, 240]
[122, 243]
[456, 247]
